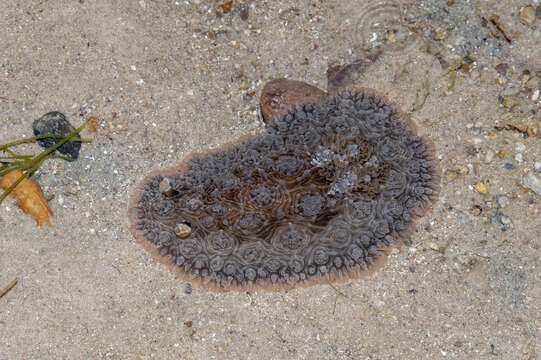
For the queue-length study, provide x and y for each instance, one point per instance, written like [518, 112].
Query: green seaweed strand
[31, 165]
[9, 287]
[5, 147]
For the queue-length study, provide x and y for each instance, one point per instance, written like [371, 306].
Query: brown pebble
[510, 102]
[527, 15]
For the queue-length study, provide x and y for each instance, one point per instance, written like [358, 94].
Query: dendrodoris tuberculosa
[323, 194]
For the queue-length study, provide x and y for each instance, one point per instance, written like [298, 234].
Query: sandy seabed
[167, 78]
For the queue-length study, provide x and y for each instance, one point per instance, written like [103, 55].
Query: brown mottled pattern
[321, 195]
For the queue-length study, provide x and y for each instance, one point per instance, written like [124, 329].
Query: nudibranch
[323, 194]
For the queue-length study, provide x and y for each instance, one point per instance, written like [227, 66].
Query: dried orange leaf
[29, 197]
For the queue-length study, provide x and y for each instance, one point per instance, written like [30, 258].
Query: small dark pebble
[509, 166]
[244, 14]
[412, 291]
[188, 288]
[56, 123]
[502, 68]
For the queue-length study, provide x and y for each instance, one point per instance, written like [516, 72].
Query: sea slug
[323, 194]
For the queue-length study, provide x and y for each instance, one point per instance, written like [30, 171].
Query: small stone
[450, 175]
[481, 188]
[55, 122]
[476, 210]
[73, 190]
[527, 15]
[165, 187]
[463, 259]
[501, 154]
[462, 170]
[533, 128]
[535, 95]
[188, 291]
[476, 141]
[489, 156]
[502, 68]
[518, 157]
[503, 201]
[510, 102]
[244, 14]
[504, 219]
[533, 82]
[509, 166]
[520, 147]
[532, 182]
[537, 166]
[378, 303]
[440, 34]
[510, 91]
[471, 150]
[183, 230]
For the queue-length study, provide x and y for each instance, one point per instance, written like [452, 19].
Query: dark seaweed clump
[322, 194]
